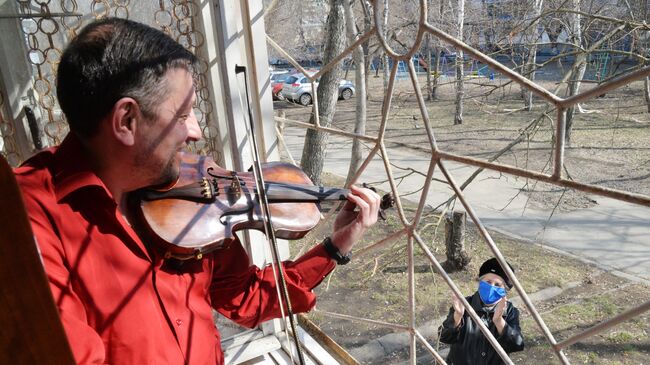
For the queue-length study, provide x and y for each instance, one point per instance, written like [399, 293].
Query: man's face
[163, 137]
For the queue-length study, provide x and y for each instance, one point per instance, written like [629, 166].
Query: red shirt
[121, 305]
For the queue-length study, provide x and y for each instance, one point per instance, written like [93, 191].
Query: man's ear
[123, 120]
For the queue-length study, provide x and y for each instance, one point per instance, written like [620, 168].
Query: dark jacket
[469, 345]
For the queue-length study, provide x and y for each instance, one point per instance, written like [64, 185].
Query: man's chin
[169, 175]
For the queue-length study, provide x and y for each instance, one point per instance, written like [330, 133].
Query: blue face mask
[490, 294]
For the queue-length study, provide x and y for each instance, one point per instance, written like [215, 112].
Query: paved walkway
[614, 235]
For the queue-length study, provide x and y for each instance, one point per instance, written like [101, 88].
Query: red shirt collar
[73, 169]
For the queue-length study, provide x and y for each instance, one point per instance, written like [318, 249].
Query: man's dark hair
[110, 59]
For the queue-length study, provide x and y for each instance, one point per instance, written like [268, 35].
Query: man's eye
[183, 118]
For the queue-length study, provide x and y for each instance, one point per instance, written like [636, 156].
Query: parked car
[298, 89]
[277, 80]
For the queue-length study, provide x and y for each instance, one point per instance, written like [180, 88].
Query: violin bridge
[235, 186]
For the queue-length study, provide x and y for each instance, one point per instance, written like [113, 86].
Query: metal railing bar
[381, 243]
[634, 198]
[398, 327]
[628, 314]
[425, 191]
[393, 188]
[365, 163]
[284, 146]
[331, 130]
[343, 54]
[430, 348]
[410, 229]
[540, 91]
[432, 142]
[387, 102]
[603, 88]
[468, 307]
[423, 108]
[418, 37]
[386, 105]
[411, 296]
[314, 102]
[502, 261]
[284, 54]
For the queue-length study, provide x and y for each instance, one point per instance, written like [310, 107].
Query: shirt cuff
[314, 266]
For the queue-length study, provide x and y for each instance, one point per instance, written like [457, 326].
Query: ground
[609, 147]
[375, 288]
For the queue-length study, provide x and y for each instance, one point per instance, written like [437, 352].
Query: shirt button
[179, 322]
[482, 353]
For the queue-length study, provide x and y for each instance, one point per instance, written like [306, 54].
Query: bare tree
[529, 69]
[646, 91]
[436, 67]
[316, 141]
[359, 80]
[640, 42]
[460, 74]
[368, 24]
[645, 5]
[386, 58]
[579, 65]
[303, 37]
[427, 47]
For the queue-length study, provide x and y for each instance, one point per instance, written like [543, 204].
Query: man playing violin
[127, 92]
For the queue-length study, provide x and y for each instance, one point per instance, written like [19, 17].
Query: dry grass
[376, 287]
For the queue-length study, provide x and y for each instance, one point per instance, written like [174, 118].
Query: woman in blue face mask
[501, 317]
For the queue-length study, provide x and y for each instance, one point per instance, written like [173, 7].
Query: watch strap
[334, 252]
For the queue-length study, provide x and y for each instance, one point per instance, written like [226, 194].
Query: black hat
[492, 266]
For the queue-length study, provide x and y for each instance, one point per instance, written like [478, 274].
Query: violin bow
[268, 226]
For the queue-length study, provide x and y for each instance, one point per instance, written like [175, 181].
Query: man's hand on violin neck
[351, 223]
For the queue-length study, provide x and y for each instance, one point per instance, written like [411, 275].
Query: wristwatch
[334, 252]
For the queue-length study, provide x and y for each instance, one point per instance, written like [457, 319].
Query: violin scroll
[387, 201]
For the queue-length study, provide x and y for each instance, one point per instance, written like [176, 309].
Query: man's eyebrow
[186, 106]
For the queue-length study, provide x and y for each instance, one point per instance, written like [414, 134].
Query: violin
[201, 211]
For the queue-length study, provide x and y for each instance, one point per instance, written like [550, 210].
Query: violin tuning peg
[365, 185]
[387, 201]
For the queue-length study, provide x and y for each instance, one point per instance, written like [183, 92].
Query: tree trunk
[647, 92]
[647, 79]
[436, 69]
[457, 258]
[529, 69]
[427, 46]
[359, 77]
[458, 117]
[386, 60]
[313, 153]
[367, 21]
[578, 69]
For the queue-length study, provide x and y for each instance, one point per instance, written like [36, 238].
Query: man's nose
[193, 128]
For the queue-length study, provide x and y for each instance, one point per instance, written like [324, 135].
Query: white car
[298, 88]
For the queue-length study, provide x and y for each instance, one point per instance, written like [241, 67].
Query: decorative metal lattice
[411, 228]
[47, 25]
[9, 148]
